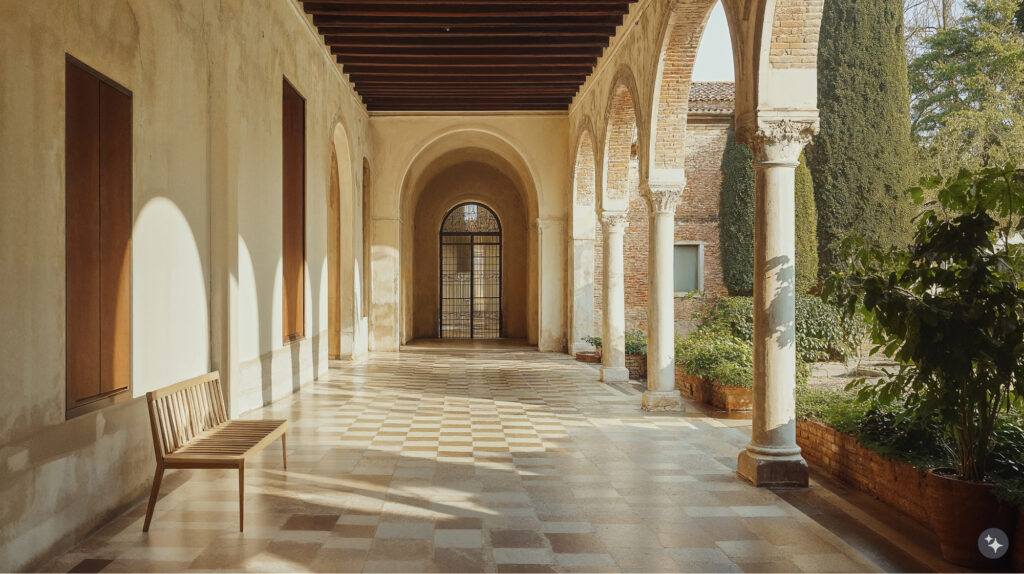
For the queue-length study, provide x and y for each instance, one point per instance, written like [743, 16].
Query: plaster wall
[206, 82]
[531, 149]
[464, 182]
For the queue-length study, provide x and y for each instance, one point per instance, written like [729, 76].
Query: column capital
[778, 142]
[614, 221]
[662, 197]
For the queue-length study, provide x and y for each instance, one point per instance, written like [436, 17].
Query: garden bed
[712, 393]
[894, 482]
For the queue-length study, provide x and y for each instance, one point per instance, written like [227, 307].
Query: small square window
[687, 268]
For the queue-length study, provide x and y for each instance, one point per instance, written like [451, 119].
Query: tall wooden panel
[82, 229]
[115, 198]
[293, 211]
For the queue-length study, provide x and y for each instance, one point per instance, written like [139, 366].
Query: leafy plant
[822, 333]
[636, 342]
[716, 355]
[595, 341]
[950, 310]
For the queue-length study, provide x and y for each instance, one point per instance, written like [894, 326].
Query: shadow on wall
[170, 308]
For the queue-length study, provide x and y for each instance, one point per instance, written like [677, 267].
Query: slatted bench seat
[191, 430]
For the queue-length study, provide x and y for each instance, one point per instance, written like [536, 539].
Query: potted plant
[636, 354]
[591, 357]
[950, 310]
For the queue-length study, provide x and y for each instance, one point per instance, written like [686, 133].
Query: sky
[714, 57]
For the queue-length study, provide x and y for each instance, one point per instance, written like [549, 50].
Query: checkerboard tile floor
[474, 461]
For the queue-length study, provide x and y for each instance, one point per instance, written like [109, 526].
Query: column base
[662, 401]
[614, 374]
[771, 470]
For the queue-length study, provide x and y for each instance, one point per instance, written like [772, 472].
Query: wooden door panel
[82, 228]
[115, 238]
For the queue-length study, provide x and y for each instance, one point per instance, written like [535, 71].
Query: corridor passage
[504, 460]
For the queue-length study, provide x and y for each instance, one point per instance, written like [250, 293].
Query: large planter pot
[637, 365]
[960, 512]
[1018, 543]
[731, 398]
[588, 357]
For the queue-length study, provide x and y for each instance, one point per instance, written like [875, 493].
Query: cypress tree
[863, 159]
[736, 218]
[806, 230]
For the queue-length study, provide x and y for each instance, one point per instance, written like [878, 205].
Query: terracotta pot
[960, 512]
[1018, 542]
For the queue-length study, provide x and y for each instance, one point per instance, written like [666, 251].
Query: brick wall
[795, 33]
[893, 482]
[696, 220]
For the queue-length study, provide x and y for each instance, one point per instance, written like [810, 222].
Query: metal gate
[470, 265]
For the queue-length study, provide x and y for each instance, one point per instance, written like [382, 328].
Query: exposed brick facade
[895, 483]
[795, 33]
[710, 119]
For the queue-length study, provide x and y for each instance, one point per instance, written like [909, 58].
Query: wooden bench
[191, 430]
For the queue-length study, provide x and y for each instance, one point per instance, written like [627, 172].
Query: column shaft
[773, 458]
[613, 338]
[661, 376]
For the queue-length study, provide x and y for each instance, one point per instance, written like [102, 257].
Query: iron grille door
[470, 270]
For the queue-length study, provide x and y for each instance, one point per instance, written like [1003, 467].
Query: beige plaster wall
[408, 150]
[463, 182]
[206, 80]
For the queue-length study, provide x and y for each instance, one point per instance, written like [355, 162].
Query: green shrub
[716, 355]
[595, 341]
[636, 342]
[821, 331]
[736, 224]
[806, 230]
[863, 158]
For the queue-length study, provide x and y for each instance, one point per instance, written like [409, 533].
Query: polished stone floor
[507, 460]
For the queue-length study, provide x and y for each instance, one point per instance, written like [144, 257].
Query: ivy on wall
[736, 226]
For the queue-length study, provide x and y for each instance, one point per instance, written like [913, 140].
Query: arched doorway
[470, 268]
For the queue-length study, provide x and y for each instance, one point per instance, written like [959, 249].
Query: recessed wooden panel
[293, 211]
[82, 229]
[115, 197]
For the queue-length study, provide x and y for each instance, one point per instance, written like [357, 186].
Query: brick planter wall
[896, 483]
[700, 390]
[637, 365]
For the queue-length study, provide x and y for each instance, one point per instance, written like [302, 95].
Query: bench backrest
[181, 412]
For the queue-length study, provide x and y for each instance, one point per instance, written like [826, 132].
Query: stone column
[613, 338]
[773, 458]
[582, 324]
[662, 393]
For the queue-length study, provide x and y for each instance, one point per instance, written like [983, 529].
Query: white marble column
[613, 338]
[773, 458]
[662, 200]
[582, 324]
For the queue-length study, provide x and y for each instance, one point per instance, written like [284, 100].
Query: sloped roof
[712, 97]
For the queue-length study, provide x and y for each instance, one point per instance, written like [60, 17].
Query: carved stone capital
[779, 142]
[662, 197]
[614, 221]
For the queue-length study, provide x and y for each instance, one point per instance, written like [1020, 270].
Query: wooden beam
[493, 9]
[465, 70]
[510, 22]
[478, 52]
[466, 60]
[466, 42]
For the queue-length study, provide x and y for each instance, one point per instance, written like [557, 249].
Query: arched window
[470, 265]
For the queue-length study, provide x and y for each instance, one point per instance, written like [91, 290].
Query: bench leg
[153, 493]
[241, 496]
[284, 450]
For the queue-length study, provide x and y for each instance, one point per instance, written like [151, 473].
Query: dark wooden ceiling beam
[590, 32]
[468, 60]
[510, 22]
[466, 42]
[477, 52]
[476, 70]
[488, 9]
[470, 79]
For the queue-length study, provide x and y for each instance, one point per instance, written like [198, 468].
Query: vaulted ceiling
[467, 55]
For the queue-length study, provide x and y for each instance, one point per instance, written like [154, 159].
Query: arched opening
[581, 310]
[341, 263]
[470, 267]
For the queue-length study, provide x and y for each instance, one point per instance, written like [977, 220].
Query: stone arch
[457, 159]
[582, 289]
[622, 145]
[680, 40]
[341, 317]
